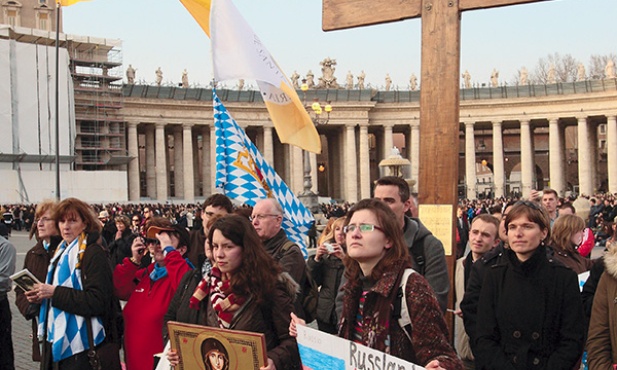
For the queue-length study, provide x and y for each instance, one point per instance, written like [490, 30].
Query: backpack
[400, 310]
[309, 290]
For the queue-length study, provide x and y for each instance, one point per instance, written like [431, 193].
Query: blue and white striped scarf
[67, 332]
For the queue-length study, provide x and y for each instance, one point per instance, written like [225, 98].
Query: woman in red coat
[149, 290]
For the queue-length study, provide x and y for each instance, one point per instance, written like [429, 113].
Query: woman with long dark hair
[244, 291]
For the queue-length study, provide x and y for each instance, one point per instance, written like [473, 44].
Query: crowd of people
[112, 276]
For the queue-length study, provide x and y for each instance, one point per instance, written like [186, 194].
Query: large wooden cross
[440, 71]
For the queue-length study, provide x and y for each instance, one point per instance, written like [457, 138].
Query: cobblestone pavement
[22, 329]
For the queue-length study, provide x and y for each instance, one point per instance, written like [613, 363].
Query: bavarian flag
[243, 174]
[238, 53]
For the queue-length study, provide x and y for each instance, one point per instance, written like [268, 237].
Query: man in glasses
[428, 256]
[215, 204]
[267, 219]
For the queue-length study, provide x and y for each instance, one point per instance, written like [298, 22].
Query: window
[602, 128]
[11, 16]
[44, 21]
[602, 144]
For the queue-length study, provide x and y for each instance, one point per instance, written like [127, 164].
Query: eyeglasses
[261, 217]
[148, 241]
[44, 219]
[364, 228]
[135, 220]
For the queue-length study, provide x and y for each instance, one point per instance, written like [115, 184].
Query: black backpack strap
[417, 251]
[288, 244]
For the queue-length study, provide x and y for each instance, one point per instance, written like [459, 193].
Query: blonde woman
[567, 234]
[327, 269]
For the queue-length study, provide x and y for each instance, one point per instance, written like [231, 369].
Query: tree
[565, 68]
[597, 63]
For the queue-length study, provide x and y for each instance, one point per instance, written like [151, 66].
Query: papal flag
[244, 175]
[69, 2]
[238, 53]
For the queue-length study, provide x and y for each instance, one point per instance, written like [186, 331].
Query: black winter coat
[530, 315]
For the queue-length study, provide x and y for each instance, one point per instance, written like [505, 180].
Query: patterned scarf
[202, 289]
[225, 304]
[67, 332]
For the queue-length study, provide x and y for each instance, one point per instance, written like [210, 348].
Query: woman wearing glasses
[530, 312]
[377, 257]
[149, 290]
[37, 260]
[78, 305]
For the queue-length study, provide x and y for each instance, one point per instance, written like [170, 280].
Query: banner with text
[320, 350]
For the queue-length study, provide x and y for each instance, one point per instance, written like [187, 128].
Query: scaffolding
[96, 68]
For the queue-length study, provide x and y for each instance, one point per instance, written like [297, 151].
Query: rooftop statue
[524, 75]
[609, 70]
[495, 78]
[388, 82]
[466, 79]
[130, 75]
[185, 79]
[413, 82]
[159, 76]
[361, 77]
[349, 81]
[327, 79]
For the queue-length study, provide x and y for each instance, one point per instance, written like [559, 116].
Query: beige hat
[153, 230]
[103, 214]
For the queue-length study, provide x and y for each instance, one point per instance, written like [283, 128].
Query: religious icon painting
[206, 348]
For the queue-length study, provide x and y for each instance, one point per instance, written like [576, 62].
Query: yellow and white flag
[69, 2]
[238, 53]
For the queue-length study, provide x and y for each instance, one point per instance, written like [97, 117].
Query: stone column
[470, 161]
[133, 167]
[584, 168]
[178, 167]
[187, 161]
[556, 155]
[150, 162]
[297, 170]
[415, 153]
[499, 174]
[268, 146]
[593, 155]
[212, 156]
[387, 141]
[364, 164]
[196, 164]
[161, 163]
[611, 152]
[206, 161]
[351, 174]
[527, 162]
[314, 173]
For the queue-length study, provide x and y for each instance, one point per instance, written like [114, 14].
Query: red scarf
[224, 302]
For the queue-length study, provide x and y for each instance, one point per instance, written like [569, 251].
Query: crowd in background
[232, 267]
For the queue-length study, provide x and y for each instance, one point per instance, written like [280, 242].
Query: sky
[161, 33]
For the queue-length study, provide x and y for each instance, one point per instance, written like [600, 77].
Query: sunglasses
[148, 241]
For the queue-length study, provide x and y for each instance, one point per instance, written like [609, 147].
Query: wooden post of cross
[439, 93]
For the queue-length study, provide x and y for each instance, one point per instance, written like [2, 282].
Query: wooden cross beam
[439, 95]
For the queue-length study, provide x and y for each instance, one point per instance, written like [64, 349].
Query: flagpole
[57, 103]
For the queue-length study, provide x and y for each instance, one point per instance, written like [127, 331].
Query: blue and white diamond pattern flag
[244, 175]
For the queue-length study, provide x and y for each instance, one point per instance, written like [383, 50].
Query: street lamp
[308, 197]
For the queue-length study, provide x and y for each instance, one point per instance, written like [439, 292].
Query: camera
[329, 247]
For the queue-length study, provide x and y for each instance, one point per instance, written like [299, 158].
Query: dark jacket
[36, 261]
[96, 298]
[326, 273]
[469, 304]
[196, 253]
[435, 269]
[120, 248]
[531, 315]
[291, 261]
[272, 319]
[429, 334]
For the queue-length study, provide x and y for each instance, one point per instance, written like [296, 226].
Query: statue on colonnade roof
[327, 79]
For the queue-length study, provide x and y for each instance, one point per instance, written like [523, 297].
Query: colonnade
[586, 156]
[349, 158]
